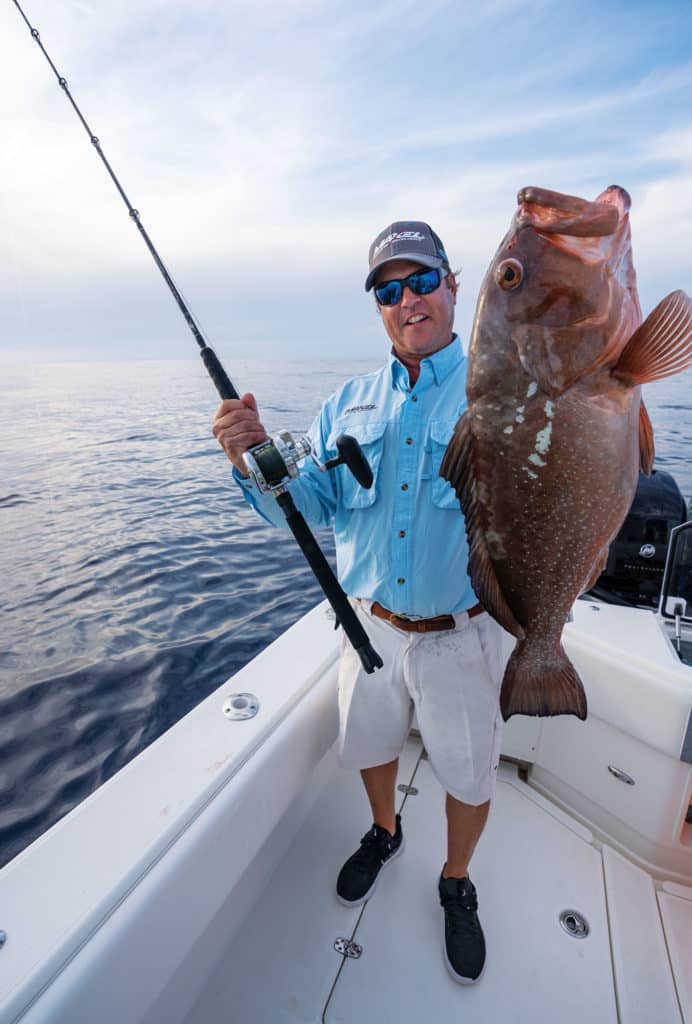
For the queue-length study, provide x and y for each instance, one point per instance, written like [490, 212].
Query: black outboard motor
[634, 571]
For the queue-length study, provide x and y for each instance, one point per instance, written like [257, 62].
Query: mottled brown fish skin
[553, 434]
[545, 458]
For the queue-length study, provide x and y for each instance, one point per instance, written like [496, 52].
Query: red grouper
[545, 460]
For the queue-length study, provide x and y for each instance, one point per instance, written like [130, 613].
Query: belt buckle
[400, 618]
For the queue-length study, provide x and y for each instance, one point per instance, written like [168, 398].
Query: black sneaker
[359, 875]
[464, 945]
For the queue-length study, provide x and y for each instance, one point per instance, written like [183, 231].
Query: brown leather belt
[421, 625]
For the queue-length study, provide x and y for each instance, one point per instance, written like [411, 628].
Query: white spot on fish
[537, 460]
[534, 476]
[518, 418]
[533, 388]
[543, 439]
[496, 544]
[508, 430]
[549, 409]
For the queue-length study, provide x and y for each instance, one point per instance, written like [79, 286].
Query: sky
[265, 144]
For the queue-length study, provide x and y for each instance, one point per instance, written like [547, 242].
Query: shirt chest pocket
[370, 437]
[441, 492]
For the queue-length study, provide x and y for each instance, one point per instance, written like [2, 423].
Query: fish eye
[509, 274]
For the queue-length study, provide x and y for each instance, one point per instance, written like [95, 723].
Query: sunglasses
[421, 282]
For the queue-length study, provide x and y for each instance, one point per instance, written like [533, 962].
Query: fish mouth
[554, 213]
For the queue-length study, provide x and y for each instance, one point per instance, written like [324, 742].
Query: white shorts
[452, 678]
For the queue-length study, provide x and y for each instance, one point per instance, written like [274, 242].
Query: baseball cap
[406, 240]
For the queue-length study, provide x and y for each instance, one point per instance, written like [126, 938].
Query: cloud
[266, 144]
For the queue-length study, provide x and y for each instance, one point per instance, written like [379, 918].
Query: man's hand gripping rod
[299, 528]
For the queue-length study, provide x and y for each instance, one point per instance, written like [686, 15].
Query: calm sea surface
[134, 580]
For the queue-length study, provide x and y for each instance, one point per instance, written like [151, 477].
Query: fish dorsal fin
[457, 468]
[646, 441]
[662, 345]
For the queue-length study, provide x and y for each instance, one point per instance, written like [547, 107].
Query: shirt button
[414, 398]
[404, 487]
[402, 533]
[409, 440]
[401, 580]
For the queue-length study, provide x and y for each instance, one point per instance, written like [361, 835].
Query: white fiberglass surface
[676, 913]
[528, 868]
[282, 964]
[531, 864]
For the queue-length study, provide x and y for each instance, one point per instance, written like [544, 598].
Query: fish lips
[554, 213]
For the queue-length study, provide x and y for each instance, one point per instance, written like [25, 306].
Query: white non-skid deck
[533, 861]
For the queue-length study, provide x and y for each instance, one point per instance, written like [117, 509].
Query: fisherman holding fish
[402, 556]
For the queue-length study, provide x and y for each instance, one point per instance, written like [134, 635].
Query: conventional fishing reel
[274, 463]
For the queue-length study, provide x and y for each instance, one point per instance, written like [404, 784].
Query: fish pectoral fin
[457, 468]
[647, 449]
[661, 346]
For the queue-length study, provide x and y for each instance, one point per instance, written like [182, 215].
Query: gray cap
[406, 240]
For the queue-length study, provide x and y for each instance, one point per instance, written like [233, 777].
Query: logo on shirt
[360, 408]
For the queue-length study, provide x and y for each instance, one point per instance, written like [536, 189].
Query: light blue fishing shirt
[403, 541]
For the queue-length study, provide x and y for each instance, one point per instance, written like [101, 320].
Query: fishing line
[272, 463]
[214, 367]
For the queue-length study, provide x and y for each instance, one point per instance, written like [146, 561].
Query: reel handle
[351, 455]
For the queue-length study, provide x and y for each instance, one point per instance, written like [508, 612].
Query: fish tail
[542, 684]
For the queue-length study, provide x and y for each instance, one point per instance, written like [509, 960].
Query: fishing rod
[273, 463]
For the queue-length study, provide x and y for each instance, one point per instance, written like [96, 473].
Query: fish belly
[555, 480]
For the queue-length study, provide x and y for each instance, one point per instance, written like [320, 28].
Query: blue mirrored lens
[390, 293]
[423, 284]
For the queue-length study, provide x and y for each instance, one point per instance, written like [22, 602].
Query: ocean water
[134, 580]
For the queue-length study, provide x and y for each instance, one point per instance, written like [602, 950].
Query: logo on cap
[397, 236]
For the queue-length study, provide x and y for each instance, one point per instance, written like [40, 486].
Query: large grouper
[545, 459]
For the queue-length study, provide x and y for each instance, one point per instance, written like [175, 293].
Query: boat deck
[533, 862]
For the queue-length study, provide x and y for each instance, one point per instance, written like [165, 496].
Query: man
[402, 557]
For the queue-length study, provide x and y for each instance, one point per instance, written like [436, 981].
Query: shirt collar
[435, 368]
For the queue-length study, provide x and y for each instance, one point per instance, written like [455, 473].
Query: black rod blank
[370, 659]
